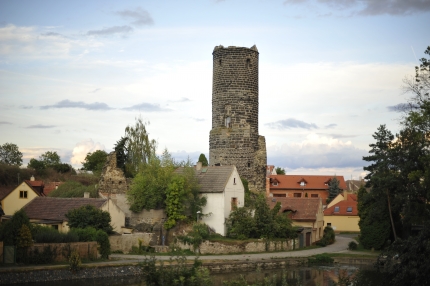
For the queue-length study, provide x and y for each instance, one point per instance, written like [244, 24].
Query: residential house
[301, 186]
[306, 213]
[270, 170]
[223, 188]
[14, 198]
[52, 211]
[342, 214]
[354, 185]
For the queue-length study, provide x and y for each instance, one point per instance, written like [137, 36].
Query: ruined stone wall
[234, 138]
[112, 180]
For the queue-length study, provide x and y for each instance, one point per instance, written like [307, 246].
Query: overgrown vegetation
[89, 216]
[73, 189]
[323, 258]
[195, 237]
[259, 222]
[176, 273]
[92, 234]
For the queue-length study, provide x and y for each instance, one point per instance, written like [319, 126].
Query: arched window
[228, 122]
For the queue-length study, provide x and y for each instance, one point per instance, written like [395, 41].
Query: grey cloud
[52, 34]
[110, 31]
[199, 119]
[26, 106]
[291, 123]
[94, 91]
[139, 16]
[5, 122]
[333, 125]
[40, 126]
[78, 104]
[373, 7]
[146, 107]
[402, 107]
[183, 99]
[337, 136]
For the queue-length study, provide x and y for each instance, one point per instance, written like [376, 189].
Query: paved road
[341, 245]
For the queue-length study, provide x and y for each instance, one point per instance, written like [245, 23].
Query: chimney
[345, 194]
[32, 178]
[199, 166]
[87, 195]
[267, 187]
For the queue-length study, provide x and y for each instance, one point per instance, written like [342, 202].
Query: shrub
[91, 234]
[352, 245]
[46, 234]
[328, 237]
[199, 234]
[73, 189]
[89, 216]
[320, 259]
[74, 261]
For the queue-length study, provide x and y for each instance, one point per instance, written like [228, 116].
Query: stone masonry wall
[112, 180]
[125, 242]
[86, 250]
[234, 138]
[208, 247]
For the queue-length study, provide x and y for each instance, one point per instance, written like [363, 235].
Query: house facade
[342, 214]
[306, 213]
[52, 211]
[223, 189]
[301, 186]
[15, 198]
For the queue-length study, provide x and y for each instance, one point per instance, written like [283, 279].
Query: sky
[74, 74]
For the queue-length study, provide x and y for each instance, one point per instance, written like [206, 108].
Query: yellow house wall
[317, 226]
[343, 223]
[116, 214]
[13, 202]
[337, 199]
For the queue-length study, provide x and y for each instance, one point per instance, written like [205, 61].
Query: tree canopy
[95, 161]
[280, 171]
[89, 216]
[333, 189]
[203, 159]
[10, 154]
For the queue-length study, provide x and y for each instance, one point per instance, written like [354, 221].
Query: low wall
[208, 247]
[125, 242]
[86, 250]
[149, 217]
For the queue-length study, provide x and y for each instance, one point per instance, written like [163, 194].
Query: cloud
[146, 107]
[182, 155]
[26, 106]
[110, 31]
[40, 126]
[52, 34]
[182, 99]
[78, 104]
[372, 7]
[5, 122]
[199, 119]
[337, 136]
[82, 148]
[317, 152]
[333, 125]
[401, 107]
[94, 91]
[291, 123]
[139, 16]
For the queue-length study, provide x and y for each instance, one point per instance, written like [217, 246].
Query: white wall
[215, 207]
[233, 189]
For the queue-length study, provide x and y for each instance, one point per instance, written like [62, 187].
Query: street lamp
[198, 213]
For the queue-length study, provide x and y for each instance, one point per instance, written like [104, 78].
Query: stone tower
[234, 138]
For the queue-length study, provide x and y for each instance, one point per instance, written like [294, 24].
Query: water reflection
[306, 276]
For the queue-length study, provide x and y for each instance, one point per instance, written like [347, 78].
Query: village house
[342, 214]
[301, 186]
[52, 211]
[223, 188]
[14, 198]
[305, 213]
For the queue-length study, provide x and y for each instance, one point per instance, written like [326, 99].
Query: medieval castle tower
[234, 138]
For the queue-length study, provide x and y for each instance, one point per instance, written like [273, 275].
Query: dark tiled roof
[55, 208]
[35, 188]
[5, 190]
[34, 183]
[313, 182]
[300, 208]
[343, 206]
[212, 179]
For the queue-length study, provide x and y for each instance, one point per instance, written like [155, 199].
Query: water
[306, 276]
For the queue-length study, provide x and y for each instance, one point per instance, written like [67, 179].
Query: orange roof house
[342, 214]
[301, 186]
[306, 213]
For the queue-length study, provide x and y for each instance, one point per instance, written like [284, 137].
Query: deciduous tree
[10, 154]
[95, 161]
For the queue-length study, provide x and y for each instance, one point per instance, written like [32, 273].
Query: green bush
[199, 234]
[328, 237]
[91, 234]
[73, 189]
[74, 261]
[320, 259]
[46, 234]
[352, 245]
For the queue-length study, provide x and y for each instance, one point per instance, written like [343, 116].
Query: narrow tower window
[248, 63]
[228, 122]
[220, 62]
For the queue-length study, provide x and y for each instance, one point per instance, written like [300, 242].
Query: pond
[306, 276]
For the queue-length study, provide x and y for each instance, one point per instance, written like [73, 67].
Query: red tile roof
[55, 208]
[343, 206]
[301, 209]
[34, 183]
[313, 182]
[49, 187]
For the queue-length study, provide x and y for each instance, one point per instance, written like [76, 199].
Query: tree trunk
[391, 216]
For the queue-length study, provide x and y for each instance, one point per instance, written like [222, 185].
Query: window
[297, 195]
[22, 194]
[314, 195]
[336, 209]
[248, 63]
[233, 203]
[228, 122]
[302, 184]
[249, 165]
[349, 209]
[275, 183]
[234, 181]
[220, 62]
[329, 224]
[280, 195]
